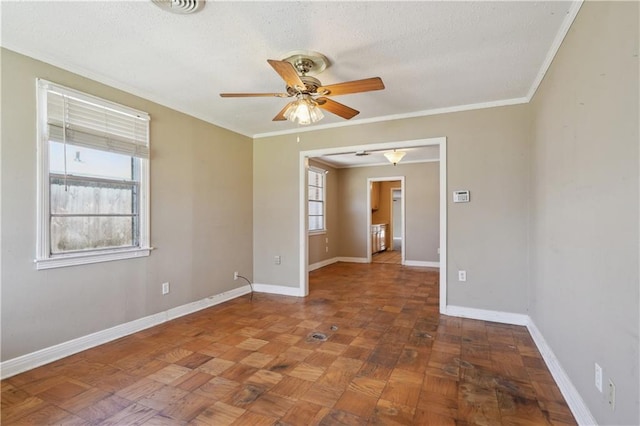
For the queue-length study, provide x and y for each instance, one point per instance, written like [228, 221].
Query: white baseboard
[353, 259]
[35, 359]
[277, 289]
[192, 307]
[574, 400]
[426, 264]
[487, 315]
[322, 264]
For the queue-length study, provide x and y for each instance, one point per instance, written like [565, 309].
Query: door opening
[397, 235]
[381, 246]
[440, 142]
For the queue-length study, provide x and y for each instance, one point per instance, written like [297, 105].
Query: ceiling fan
[311, 96]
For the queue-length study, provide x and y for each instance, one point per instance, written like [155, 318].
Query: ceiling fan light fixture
[303, 111]
[395, 156]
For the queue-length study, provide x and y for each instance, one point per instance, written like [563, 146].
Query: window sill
[62, 261]
[322, 232]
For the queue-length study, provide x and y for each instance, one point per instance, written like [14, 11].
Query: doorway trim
[302, 194]
[392, 219]
[369, 222]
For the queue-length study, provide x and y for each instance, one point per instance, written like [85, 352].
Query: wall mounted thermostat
[461, 196]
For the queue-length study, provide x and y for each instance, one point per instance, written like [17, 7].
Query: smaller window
[317, 194]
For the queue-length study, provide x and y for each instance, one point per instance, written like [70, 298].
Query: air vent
[361, 153]
[316, 336]
[181, 7]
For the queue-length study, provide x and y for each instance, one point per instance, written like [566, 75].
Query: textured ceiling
[432, 56]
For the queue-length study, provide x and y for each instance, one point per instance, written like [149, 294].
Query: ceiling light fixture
[303, 111]
[395, 156]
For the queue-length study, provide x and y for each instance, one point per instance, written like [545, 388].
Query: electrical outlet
[612, 395]
[277, 260]
[462, 275]
[598, 377]
[326, 249]
[235, 275]
[165, 288]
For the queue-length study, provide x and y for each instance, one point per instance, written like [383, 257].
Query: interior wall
[422, 215]
[324, 246]
[201, 221]
[584, 294]
[487, 154]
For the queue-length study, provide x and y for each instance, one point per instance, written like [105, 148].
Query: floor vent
[316, 336]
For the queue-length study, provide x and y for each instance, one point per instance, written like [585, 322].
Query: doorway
[381, 244]
[440, 142]
[397, 234]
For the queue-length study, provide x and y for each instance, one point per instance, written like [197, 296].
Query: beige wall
[201, 221]
[421, 203]
[347, 211]
[487, 154]
[584, 293]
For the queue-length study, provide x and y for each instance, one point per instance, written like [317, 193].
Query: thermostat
[461, 196]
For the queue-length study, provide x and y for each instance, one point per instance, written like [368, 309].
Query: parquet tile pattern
[388, 256]
[389, 358]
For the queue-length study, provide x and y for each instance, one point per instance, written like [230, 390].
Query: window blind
[81, 120]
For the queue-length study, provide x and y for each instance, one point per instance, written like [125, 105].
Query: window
[93, 179]
[316, 200]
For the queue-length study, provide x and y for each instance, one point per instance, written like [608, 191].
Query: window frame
[44, 258]
[324, 201]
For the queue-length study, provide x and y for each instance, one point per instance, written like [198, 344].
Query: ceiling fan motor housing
[307, 62]
[311, 86]
[303, 65]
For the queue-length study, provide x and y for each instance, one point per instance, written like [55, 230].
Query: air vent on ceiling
[182, 7]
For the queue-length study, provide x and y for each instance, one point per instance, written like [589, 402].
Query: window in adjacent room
[317, 195]
[93, 179]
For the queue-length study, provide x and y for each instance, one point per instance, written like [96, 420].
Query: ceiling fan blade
[287, 72]
[254, 95]
[357, 86]
[280, 116]
[337, 108]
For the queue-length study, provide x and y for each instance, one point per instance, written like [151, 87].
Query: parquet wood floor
[388, 256]
[389, 359]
